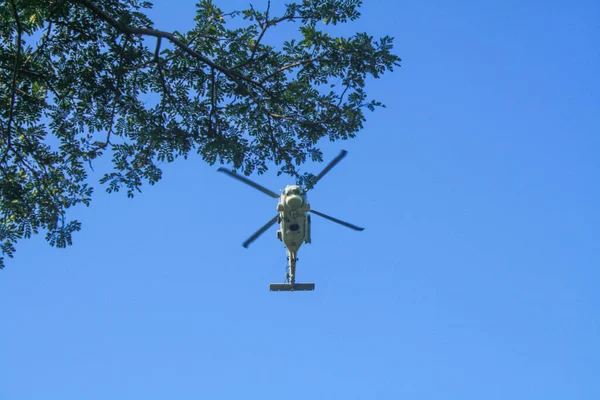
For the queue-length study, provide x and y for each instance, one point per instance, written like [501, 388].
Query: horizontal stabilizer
[286, 287]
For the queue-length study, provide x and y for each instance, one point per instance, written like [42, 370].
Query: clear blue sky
[476, 277]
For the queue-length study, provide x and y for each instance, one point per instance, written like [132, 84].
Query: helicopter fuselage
[294, 227]
[294, 221]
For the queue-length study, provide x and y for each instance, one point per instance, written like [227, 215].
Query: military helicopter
[294, 222]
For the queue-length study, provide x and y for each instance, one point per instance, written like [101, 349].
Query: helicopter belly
[293, 230]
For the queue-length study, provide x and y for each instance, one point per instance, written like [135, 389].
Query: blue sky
[476, 276]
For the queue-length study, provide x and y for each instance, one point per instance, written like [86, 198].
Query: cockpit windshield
[292, 191]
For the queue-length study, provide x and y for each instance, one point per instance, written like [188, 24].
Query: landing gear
[290, 284]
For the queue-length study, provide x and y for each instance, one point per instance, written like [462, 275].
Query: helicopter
[293, 218]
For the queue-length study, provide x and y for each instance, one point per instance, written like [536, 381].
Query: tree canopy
[83, 78]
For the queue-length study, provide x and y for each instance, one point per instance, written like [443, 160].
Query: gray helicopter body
[294, 221]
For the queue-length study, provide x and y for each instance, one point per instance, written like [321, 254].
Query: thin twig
[264, 28]
[213, 101]
[42, 45]
[163, 82]
[289, 66]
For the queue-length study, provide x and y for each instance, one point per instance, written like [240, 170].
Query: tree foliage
[83, 78]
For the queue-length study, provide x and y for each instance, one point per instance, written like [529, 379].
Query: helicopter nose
[294, 201]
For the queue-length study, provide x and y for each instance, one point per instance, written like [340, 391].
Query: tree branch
[13, 92]
[233, 75]
[157, 34]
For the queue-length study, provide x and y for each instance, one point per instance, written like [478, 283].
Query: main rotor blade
[260, 231]
[326, 169]
[346, 224]
[249, 182]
